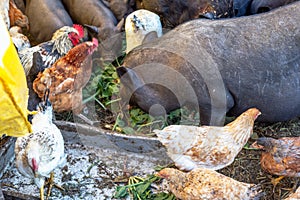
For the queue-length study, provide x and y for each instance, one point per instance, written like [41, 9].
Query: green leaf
[141, 189]
[134, 112]
[142, 118]
[164, 196]
[119, 122]
[115, 75]
[128, 130]
[121, 192]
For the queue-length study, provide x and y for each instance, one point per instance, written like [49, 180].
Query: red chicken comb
[80, 29]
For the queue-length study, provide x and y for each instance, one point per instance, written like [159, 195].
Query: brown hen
[281, 156]
[66, 78]
[16, 17]
[210, 147]
[203, 183]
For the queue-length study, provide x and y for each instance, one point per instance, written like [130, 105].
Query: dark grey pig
[45, 17]
[260, 6]
[241, 7]
[221, 66]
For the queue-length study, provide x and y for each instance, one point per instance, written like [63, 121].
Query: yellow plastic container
[13, 89]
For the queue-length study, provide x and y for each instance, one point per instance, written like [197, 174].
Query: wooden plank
[6, 153]
[1, 194]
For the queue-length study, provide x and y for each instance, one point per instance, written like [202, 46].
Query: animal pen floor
[94, 162]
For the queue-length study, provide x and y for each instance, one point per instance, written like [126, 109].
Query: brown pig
[120, 8]
[93, 12]
[45, 17]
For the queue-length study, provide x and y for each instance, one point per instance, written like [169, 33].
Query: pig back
[94, 13]
[45, 17]
[259, 6]
[234, 64]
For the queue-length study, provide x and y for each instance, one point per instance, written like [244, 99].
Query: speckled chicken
[62, 41]
[49, 52]
[204, 184]
[19, 39]
[280, 156]
[209, 147]
[66, 77]
[40, 152]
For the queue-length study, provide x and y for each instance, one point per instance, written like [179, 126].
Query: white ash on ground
[89, 173]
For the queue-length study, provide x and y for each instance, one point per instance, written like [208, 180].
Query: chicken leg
[42, 192]
[275, 181]
[51, 183]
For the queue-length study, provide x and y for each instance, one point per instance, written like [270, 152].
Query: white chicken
[39, 153]
[211, 147]
[141, 26]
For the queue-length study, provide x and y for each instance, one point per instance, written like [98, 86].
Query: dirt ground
[246, 166]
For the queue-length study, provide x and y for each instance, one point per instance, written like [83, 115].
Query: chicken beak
[35, 175]
[256, 146]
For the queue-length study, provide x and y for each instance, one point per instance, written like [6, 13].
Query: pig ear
[119, 26]
[149, 37]
[129, 77]
[93, 31]
[121, 71]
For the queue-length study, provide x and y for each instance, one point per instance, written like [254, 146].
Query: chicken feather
[66, 77]
[16, 16]
[20, 40]
[44, 147]
[207, 146]
[62, 41]
[4, 9]
[295, 195]
[203, 184]
[281, 156]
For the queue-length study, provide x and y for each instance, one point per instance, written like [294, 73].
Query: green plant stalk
[91, 97]
[147, 124]
[116, 122]
[112, 101]
[103, 106]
